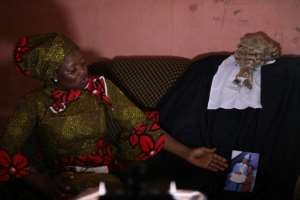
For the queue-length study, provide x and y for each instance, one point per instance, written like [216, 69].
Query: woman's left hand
[206, 158]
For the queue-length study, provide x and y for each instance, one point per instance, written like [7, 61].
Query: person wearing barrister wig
[246, 101]
[83, 124]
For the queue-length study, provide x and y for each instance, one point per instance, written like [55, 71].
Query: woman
[83, 124]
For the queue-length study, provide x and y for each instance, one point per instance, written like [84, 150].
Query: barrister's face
[72, 74]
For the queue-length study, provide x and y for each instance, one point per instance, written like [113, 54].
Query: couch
[145, 79]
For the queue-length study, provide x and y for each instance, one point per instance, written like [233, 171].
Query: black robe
[273, 131]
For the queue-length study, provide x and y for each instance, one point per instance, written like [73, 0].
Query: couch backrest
[145, 79]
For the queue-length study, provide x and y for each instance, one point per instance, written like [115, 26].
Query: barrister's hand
[206, 158]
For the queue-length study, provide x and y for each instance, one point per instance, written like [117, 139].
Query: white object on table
[184, 194]
[94, 196]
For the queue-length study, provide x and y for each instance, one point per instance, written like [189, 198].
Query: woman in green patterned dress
[84, 125]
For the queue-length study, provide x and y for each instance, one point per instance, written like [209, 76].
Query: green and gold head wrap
[39, 56]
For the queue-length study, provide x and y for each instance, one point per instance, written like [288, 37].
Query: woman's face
[72, 74]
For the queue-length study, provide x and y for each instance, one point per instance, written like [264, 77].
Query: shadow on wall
[24, 18]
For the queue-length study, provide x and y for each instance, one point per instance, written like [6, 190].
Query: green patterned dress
[80, 135]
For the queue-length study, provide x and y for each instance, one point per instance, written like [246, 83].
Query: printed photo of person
[243, 170]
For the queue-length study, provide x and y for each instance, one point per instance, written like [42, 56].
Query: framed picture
[243, 171]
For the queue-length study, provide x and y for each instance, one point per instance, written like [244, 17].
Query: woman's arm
[147, 138]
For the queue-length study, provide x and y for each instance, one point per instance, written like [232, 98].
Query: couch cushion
[145, 79]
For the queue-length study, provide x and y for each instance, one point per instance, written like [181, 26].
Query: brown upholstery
[146, 79]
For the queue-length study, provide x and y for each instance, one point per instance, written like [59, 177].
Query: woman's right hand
[207, 158]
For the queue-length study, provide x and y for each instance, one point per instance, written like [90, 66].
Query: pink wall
[138, 27]
[180, 27]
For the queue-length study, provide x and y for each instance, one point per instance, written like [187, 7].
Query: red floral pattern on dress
[152, 115]
[150, 148]
[103, 156]
[137, 132]
[95, 85]
[88, 160]
[154, 126]
[21, 48]
[12, 166]
[62, 99]
[146, 143]
[104, 150]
